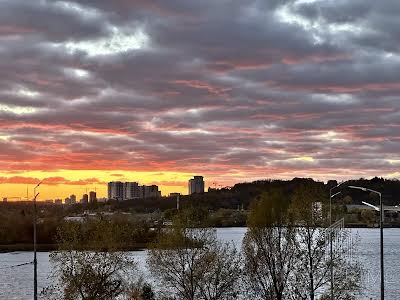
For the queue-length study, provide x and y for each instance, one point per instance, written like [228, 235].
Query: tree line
[223, 205]
[284, 255]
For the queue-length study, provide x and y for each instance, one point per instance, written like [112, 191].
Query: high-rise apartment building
[85, 199]
[196, 185]
[131, 190]
[92, 197]
[116, 190]
[149, 191]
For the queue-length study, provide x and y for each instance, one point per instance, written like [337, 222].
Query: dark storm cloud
[264, 88]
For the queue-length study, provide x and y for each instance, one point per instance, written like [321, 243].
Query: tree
[191, 264]
[222, 273]
[269, 247]
[177, 260]
[347, 268]
[312, 270]
[86, 265]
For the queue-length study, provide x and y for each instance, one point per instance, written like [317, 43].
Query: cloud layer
[233, 90]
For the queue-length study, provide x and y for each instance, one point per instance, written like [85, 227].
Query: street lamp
[381, 219]
[370, 205]
[331, 196]
[34, 242]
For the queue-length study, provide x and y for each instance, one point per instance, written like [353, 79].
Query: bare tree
[177, 259]
[191, 264]
[222, 273]
[286, 249]
[311, 275]
[347, 267]
[269, 247]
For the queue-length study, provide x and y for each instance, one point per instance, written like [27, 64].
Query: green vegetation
[16, 230]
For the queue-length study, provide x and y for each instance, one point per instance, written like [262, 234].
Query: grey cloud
[222, 86]
[52, 19]
[377, 21]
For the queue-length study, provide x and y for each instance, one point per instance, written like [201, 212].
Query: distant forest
[242, 194]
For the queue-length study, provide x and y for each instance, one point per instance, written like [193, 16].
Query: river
[16, 283]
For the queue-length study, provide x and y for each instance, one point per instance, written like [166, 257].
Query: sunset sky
[159, 91]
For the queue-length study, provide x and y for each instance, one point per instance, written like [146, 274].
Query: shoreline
[53, 247]
[28, 247]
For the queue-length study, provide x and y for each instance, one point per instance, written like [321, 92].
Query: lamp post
[34, 242]
[331, 196]
[381, 219]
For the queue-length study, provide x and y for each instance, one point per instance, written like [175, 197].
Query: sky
[158, 91]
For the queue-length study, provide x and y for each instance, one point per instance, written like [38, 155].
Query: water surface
[17, 283]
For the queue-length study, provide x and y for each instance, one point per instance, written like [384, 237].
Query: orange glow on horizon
[73, 182]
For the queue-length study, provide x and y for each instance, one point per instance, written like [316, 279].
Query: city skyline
[236, 91]
[117, 190]
[78, 188]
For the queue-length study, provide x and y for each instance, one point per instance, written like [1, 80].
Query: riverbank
[27, 247]
[54, 247]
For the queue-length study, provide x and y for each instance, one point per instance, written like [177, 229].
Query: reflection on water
[17, 283]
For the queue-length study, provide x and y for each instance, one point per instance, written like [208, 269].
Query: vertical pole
[382, 216]
[177, 202]
[330, 241]
[34, 249]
